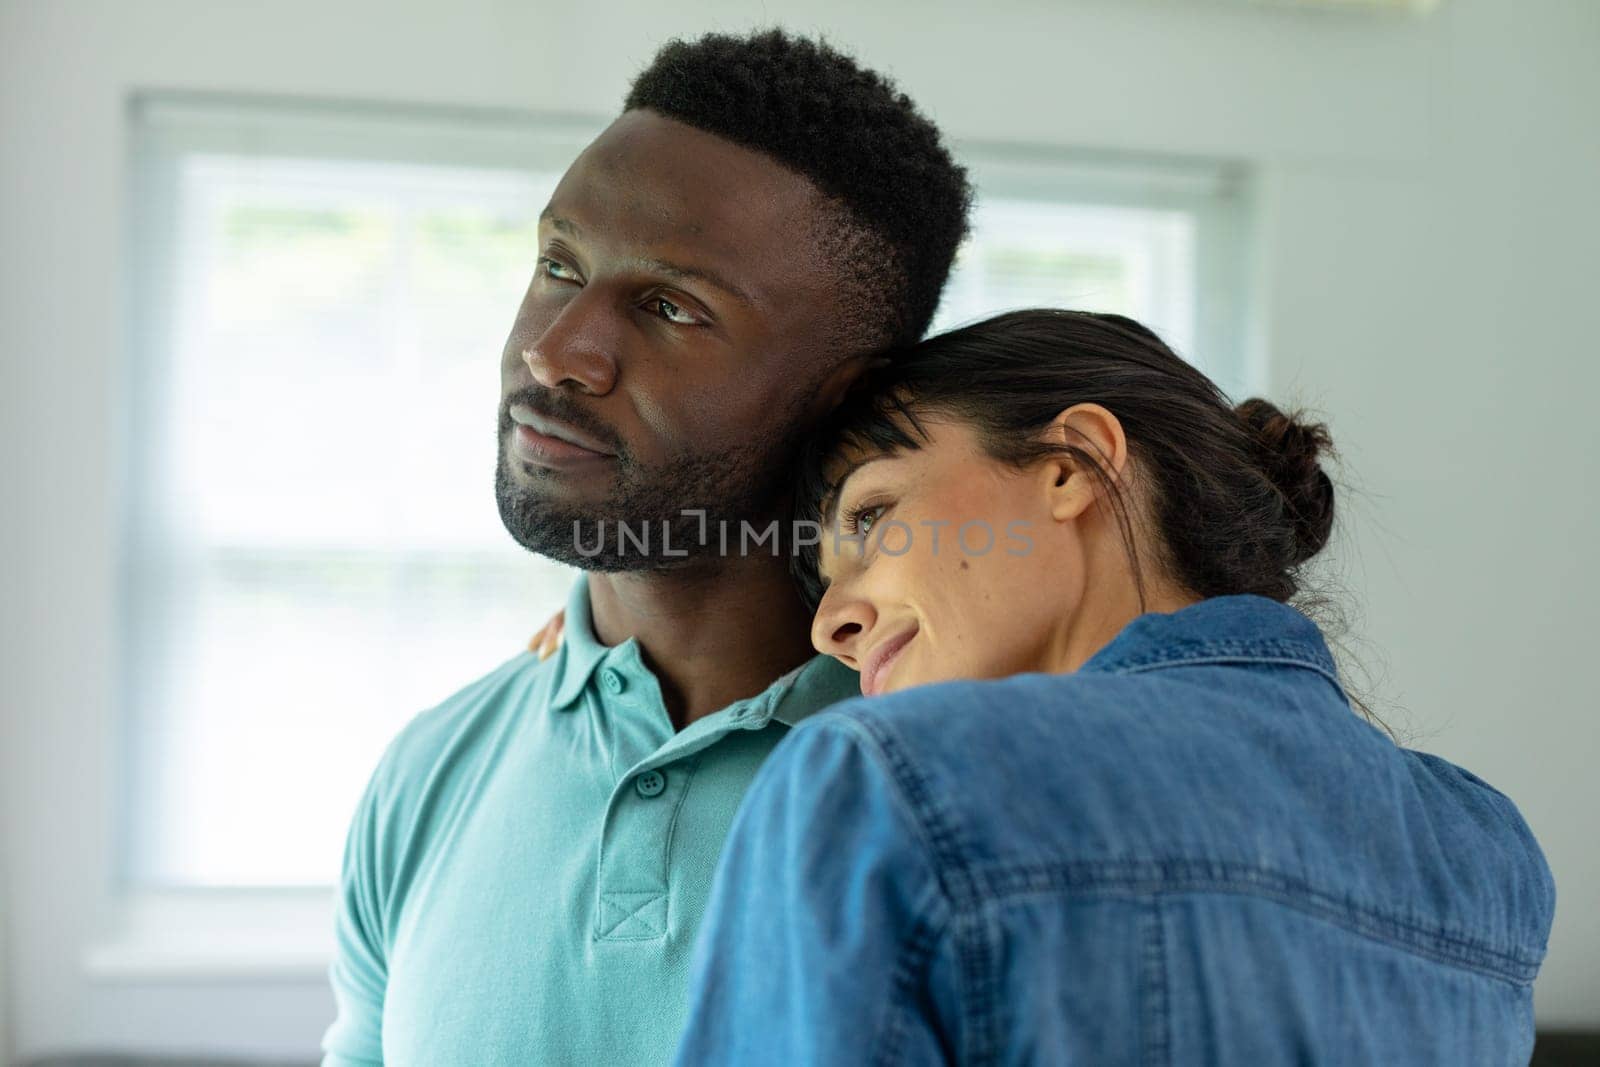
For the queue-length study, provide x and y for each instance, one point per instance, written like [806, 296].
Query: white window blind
[314, 552]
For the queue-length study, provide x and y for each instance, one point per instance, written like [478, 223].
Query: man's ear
[838, 380]
[1070, 485]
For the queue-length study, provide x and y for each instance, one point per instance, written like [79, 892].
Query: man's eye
[556, 269]
[673, 313]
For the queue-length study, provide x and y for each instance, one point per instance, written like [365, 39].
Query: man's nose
[842, 620]
[578, 346]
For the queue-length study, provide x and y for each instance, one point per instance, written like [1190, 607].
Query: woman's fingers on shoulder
[548, 639]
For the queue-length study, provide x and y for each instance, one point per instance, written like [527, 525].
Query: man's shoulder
[417, 784]
[456, 728]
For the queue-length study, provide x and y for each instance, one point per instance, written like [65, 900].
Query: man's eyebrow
[659, 266]
[698, 274]
[566, 226]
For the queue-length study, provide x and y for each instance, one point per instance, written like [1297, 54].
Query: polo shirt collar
[814, 685]
[791, 698]
[580, 652]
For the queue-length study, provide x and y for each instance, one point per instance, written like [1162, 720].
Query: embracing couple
[1007, 746]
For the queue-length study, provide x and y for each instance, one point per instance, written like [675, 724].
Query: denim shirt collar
[1224, 629]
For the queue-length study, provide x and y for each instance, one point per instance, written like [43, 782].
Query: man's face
[678, 322]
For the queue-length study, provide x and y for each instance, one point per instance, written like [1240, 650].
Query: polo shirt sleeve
[359, 971]
[823, 916]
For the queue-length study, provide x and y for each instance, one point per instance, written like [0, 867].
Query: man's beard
[642, 524]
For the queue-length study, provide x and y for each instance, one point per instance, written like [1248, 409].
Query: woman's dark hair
[1235, 497]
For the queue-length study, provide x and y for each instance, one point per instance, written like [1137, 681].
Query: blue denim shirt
[1189, 851]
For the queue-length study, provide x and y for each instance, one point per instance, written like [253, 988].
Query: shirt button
[650, 783]
[611, 680]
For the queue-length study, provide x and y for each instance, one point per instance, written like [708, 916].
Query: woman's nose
[840, 623]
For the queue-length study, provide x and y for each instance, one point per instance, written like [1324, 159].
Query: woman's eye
[861, 519]
[673, 313]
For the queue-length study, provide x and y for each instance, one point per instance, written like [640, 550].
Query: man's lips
[545, 440]
[876, 667]
[536, 447]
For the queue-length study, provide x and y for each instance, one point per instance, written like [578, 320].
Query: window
[1162, 243]
[314, 552]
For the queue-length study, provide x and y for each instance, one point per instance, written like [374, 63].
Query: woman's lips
[876, 670]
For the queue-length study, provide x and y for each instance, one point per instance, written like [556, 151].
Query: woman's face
[966, 569]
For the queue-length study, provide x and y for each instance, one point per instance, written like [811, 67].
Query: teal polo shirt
[529, 862]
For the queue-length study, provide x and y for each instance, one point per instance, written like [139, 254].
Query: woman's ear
[1071, 485]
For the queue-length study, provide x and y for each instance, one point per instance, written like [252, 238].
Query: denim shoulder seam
[972, 937]
[1155, 1010]
[910, 962]
[976, 934]
[1437, 943]
[906, 785]
[938, 837]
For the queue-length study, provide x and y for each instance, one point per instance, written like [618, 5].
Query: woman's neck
[1104, 611]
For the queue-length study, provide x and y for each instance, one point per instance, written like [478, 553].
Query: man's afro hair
[853, 135]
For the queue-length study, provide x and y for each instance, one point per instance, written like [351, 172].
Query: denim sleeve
[823, 915]
[359, 971]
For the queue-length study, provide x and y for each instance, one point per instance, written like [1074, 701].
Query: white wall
[5, 968]
[1429, 239]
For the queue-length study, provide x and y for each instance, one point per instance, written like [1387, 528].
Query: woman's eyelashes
[859, 519]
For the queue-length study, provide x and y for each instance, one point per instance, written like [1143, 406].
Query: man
[527, 868]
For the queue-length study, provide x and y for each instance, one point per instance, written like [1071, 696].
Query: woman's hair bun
[1291, 452]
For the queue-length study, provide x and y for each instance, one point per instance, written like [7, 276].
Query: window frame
[153, 932]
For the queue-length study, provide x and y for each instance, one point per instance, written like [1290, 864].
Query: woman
[1138, 821]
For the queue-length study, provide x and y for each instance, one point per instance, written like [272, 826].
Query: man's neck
[712, 635]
